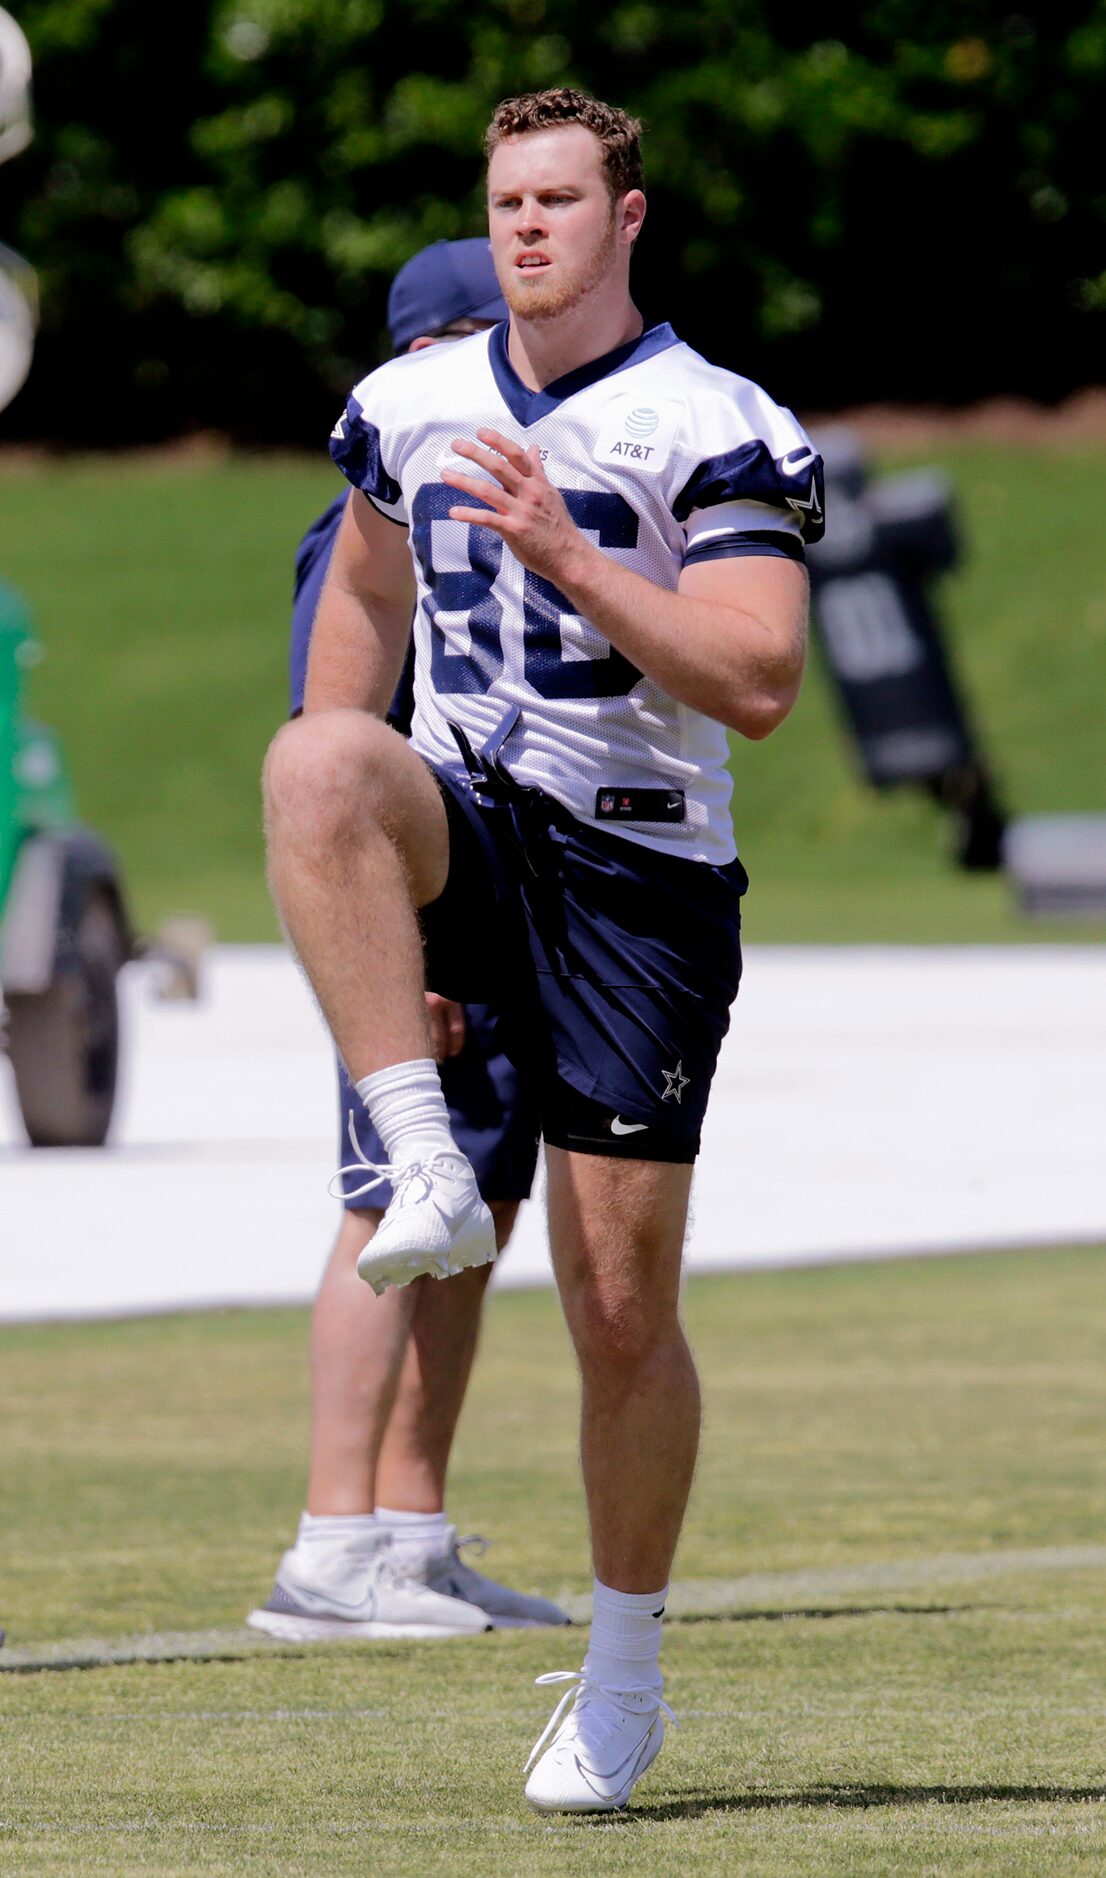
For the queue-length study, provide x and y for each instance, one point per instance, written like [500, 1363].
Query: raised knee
[281, 763]
[322, 767]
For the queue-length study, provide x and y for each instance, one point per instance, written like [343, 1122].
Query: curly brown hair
[619, 135]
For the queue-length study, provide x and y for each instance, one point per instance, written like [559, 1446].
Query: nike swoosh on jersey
[627, 1128]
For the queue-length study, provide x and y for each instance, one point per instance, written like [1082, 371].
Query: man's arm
[363, 620]
[731, 640]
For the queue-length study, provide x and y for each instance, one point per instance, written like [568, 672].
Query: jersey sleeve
[757, 486]
[359, 444]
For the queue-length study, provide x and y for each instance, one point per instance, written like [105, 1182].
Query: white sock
[338, 1532]
[408, 1110]
[625, 1640]
[413, 1535]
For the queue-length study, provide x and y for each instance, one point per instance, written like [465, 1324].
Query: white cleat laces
[435, 1224]
[598, 1743]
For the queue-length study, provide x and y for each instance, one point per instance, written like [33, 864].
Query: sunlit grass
[916, 1415]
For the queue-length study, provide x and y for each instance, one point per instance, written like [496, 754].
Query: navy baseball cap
[450, 280]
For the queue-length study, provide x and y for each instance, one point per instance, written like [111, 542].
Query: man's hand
[527, 512]
[447, 1026]
[729, 642]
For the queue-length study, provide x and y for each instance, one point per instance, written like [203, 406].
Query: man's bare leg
[411, 1474]
[389, 1376]
[617, 1232]
[358, 1346]
[339, 1572]
[357, 839]
[445, 1330]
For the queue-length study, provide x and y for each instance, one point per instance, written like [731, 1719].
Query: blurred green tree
[894, 201]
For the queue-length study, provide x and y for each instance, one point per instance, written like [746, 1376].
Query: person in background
[375, 1554]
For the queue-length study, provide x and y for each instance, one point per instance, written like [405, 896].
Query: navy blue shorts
[615, 967]
[493, 1114]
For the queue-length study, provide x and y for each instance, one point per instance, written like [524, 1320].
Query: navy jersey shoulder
[317, 542]
[750, 451]
[312, 560]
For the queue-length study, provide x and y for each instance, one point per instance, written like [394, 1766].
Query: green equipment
[64, 928]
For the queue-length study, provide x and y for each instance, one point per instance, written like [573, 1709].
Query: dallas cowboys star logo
[793, 464]
[675, 1082]
[811, 506]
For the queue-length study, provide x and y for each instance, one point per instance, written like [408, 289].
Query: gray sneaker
[447, 1573]
[342, 1595]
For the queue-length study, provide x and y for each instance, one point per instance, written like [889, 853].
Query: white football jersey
[662, 459]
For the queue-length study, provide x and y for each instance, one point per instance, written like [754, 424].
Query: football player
[375, 1555]
[605, 534]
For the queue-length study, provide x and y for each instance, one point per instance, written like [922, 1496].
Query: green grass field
[888, 1651]
[162, 589]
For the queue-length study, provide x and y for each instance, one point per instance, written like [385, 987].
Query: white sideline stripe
[110, 1716]
[166, 1646]
[418, 1828]
[509, 1717]
[170, 1646]
[900, 1575]
[932, 1099]
[691, 1597]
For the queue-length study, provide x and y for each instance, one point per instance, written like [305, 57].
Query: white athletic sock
[414, 1536]
[625, 1640]
[338, 1532]
[408, 1110]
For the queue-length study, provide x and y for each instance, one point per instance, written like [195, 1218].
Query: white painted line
[691, 1597]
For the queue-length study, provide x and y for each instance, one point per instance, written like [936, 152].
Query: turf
[162, 590]
[892, 1652]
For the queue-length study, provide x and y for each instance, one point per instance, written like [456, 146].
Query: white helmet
[15, 89]
[18, 319]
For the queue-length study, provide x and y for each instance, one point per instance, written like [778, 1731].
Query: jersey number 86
[471, 592]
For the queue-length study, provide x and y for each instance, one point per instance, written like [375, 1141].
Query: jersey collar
[528, 406]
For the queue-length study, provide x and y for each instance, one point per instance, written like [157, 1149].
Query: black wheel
[64, 1041]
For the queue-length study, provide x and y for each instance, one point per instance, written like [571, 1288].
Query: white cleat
[435, 1225]
[448, 1573]
[362, 1595]
[590, 1758]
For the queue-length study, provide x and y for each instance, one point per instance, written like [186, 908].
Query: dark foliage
[896, 201]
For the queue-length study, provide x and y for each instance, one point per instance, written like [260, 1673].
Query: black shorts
[615, 966]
